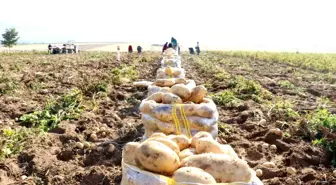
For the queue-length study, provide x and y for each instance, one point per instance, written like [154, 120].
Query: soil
[53, 159]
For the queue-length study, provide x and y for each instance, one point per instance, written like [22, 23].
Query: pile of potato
[200, 159]
[200, 112]
[170, 72]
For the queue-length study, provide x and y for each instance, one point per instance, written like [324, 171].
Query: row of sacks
[178, 160]
[179, 145]
[177, 106]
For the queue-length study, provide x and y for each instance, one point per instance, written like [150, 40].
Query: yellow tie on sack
[170, 72]
[177, 121]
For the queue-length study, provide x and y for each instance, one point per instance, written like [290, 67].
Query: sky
[231, 24]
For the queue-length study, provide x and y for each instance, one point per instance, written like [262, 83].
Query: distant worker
[179, 49]
[139, 50]
[49, 48]
[130, 49]
[165, 46]
[118, 53]
[198, 48]
[170, 45]
[174, 43]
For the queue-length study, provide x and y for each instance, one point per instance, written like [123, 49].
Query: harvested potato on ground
[208, 145]
[170, 98]
[193, 175]
[186, 153]
[157, 157]
[171, 144]
[198, 136]
[128, 152]
[222, 167]
[181, 90]
[147, 106]
[181, 140]
[205, 111]
[197, 94]
[157, 97]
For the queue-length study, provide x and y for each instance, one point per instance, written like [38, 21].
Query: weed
[283, 109]
[286, 84]
[124, 73]
[94, 88]
[7, 85]
[67, 107]
[226, 98]
[12, 141]
[322, 125]
[224, 129]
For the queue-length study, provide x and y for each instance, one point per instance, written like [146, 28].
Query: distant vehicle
[65, 49]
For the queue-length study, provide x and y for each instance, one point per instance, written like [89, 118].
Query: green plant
[67, 107]
[123, 73]
[286, 84]
[283, 109]
[7, 85]
[224, 129]
[12, 141]
[322, 125]
[226, 98]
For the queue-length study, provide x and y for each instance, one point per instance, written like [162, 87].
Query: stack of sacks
[179, 109]
[170, 72]
[171, 58]
[176, 159]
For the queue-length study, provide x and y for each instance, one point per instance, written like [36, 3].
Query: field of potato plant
[65, 118]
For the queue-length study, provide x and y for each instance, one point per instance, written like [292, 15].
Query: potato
[190, 109]
[180, 81]
[190, 84]
[164, 112]
[157, 97]
[182, 141]
[158, 135]
[205, 111]
[222, 167]
[208, 145]
[193, 175]
[181, 90]
[165, 127]
[170, 98]
[128, 152]
[165, 90]
[186, 153]
[171, 144]
[147, 106]
[177, 71]
[157, 157]
[202, 124]
[197, 94]
[199, 135]
[165, 82]
[149, 122]
[153, 89]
